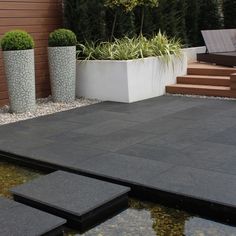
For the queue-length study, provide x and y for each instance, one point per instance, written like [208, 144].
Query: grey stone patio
[18, 219]
[168, 146]
[82, 201]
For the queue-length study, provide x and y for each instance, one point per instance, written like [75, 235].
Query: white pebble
[45, 106]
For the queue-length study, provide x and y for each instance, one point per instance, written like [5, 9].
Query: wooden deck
[207, 80]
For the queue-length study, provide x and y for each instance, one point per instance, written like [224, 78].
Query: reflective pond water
[141, 219]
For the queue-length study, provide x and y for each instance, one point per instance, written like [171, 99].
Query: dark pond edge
[206, 209]
[85, 222]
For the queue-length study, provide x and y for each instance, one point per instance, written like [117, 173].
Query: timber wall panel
[39, 18]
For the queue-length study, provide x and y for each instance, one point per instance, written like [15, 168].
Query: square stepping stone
[83, 201]
[18, 219]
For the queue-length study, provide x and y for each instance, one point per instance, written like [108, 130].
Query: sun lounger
[221, 47]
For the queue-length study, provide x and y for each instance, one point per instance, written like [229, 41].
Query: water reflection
[201, 227]
[166, 221]
[128, 223]
[12, 175]
[149, 219]
[141, 219]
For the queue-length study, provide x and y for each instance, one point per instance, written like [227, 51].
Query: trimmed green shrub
[104, 20]
[16, 40]
[210, 15]
[130, 48]
[229, 10]
[62, 38]
[202, 15]
[192, 15]
[87, 19]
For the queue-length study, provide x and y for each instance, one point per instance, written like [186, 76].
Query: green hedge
[16, 40]
[229, 10]
[92, 21]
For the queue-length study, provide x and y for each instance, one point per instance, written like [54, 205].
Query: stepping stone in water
[83, 201]
[18, 219]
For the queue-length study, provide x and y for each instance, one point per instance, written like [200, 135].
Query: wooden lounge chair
[221, 47]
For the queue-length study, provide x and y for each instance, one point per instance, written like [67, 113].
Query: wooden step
[204, 90]
[209, 70]
[204, 80]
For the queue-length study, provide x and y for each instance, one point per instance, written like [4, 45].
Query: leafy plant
[126, 5]
[143, 4]
[16, 40]
[163, 46]
[130, 48]
[62, 38]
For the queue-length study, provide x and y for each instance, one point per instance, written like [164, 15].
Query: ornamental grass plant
[130, 48]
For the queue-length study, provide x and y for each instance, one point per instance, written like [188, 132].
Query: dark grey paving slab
[154, 104]
[124, 168]
[162, 126]
[212, 156]
[196, 113]
[18, 142]
[105, 127]
[120, 139]
[81, 200]
[136, 144]
[230, 113]
[41, 127]
[95, 117]
[99, 141]
[214, 124]
[179, 133]
[18, 219]
[202, 155]
[205, 185]
[7, 203]
[159, 180]
[225, 137]
[179, 139]
[218, 104]
[156, 152]
[30, 134]
[75, 153]
[73, 137]
[136, 112]
[101, 116]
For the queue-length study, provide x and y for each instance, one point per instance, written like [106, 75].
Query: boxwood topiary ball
[16, 40]
[62, 38]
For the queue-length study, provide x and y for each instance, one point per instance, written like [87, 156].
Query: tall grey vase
[20, 75]
[62, 65]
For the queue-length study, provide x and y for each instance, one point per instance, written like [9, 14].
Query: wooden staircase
[206, 80]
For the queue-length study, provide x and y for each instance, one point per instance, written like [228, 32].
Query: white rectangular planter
[128, 81]
[191, 53]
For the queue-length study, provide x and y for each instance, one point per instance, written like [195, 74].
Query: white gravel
[199, 96]
[45, 106]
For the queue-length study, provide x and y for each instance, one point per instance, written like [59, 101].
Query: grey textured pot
[62, 65]
[20, 74]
